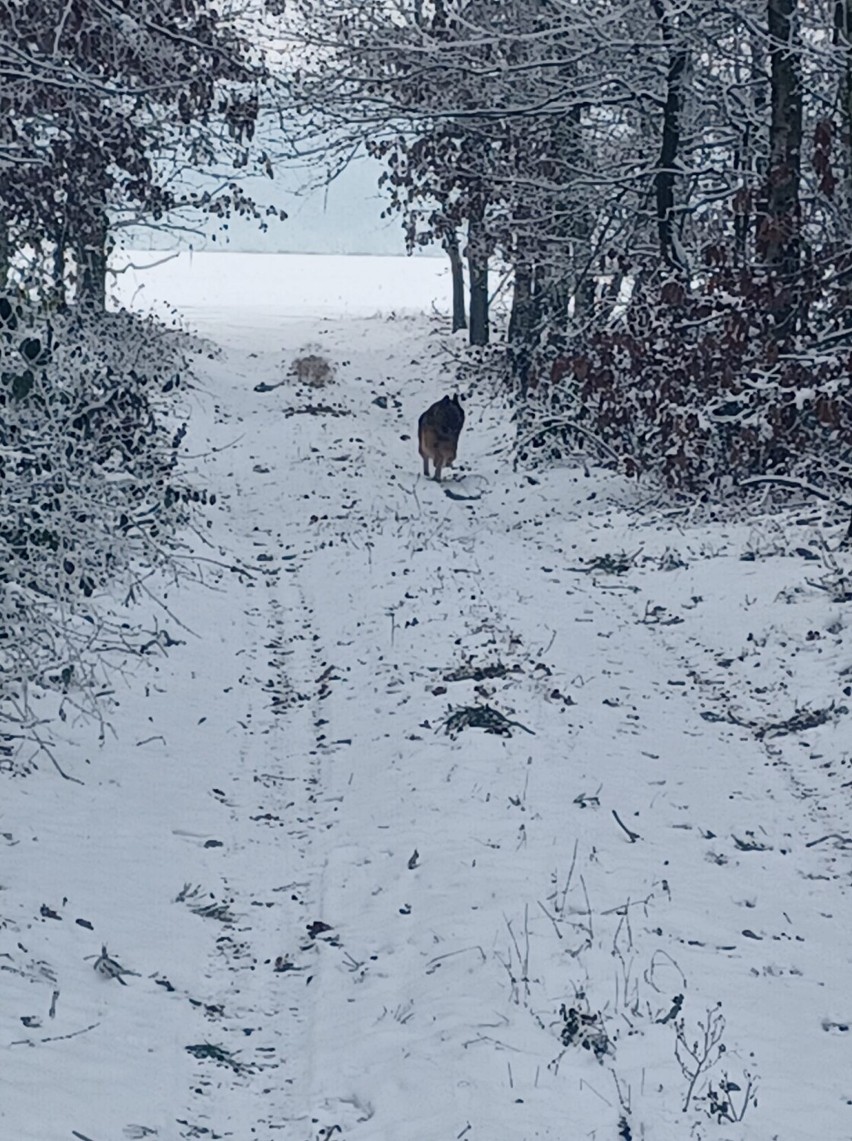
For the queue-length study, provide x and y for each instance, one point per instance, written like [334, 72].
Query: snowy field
[208, 288]
[625, 916]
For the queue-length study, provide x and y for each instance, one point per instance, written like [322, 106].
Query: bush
[90, 492]
[696, 388]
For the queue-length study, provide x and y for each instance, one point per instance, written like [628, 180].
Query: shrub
[695, 387]
[91, 497]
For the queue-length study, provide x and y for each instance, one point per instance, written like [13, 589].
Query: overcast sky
[343, 218]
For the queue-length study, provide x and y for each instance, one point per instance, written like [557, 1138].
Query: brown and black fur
[438, 433]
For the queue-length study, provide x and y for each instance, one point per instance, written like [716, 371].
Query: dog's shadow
[458, 495]
[465, 487]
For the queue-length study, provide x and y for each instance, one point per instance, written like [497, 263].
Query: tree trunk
[584, 270]
[843, 40]
[760, 117]
[522, 326]
[749, 204]
[555, 256]
[451, 245]
[521, 317]
[59, 295]
[92, 249]
[5, 253]
[477, 262]
[780, 231]
[664, 180]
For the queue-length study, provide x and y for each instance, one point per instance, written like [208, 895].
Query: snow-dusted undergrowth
[354, 912]
[92, 498]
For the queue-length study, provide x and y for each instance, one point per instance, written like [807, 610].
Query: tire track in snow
[256, 977]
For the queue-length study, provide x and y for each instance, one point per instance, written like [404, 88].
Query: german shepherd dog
[438, 433]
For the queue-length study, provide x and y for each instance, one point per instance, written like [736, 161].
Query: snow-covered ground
[345, 921]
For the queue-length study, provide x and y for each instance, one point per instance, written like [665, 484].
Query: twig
[588, 910]
[632, 836]
[552, 919]
[159, 602]
[622, 907]
[555, 424]
[133, 265]
[46, 749]
[523, 960]
[845, 841]
[618, 953]
[796, 485]
[588, 1085]
[561, 907]
[55, 1037]
[433, 964]
[213, 451]
[696, 1060]
[233, 568]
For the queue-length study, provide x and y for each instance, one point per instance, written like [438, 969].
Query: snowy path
[402, 913]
